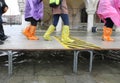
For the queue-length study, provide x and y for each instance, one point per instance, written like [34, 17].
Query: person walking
[60, 11]
[109, 12]
[3, 9]
[33, 14]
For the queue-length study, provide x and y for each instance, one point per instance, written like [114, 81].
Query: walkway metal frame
[10, 62]
[75, 61]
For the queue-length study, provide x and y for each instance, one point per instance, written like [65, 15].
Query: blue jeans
[64, 17]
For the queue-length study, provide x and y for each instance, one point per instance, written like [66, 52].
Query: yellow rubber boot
[26, 31]
[46, 36]
[65, 35]
[32, 33]
[107, 34]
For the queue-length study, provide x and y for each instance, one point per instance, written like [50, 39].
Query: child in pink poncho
[108, 11]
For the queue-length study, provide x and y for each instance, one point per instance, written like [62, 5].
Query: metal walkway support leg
[91, 60]
[75, 61]
[10, 55]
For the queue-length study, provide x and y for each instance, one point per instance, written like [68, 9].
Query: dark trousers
[2, 34]
[64, 17]
[32, 21]
[109, 23]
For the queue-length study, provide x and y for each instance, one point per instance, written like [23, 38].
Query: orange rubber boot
[32, 32]
[26, 31]
[107, 34]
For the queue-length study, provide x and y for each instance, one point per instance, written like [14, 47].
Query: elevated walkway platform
[83, 42]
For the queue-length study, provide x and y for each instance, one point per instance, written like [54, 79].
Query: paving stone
[51, 79]
[107, 78]
[85, 78]
[16, 79]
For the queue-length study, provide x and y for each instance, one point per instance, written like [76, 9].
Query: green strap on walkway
[77, 44]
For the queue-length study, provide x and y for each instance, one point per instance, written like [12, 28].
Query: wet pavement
[56, 67]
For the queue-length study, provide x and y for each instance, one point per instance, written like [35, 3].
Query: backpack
[54, 3]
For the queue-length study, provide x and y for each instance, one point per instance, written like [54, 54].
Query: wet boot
[26, 31]
[46, 36]
[107, 34]
[4, 37]
[32, 33]
[1, 42]
[65, 35]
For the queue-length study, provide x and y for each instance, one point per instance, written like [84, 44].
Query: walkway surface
[18, 41]
[56, 69]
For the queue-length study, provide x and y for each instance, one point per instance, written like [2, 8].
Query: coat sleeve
[4, 5]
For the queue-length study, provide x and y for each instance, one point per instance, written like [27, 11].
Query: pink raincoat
[109, 9]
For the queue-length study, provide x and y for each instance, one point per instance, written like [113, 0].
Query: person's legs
[1, 42]
[51, 28]
[2, 33]
[33, 30]
[56, 19]
[65, 19]
[2, 30]
[29, 31]
[107, 30]
[65, 30]
[109, 23]
[26, 30]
